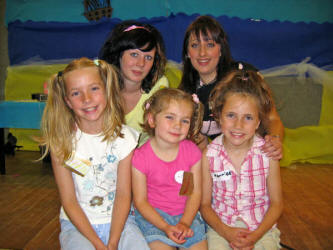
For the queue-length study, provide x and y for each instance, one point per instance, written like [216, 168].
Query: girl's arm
[122, 201]
[139, 188]
[207, 212]
[276, 126]
[193, 201]
[64, 181]
[276, 203]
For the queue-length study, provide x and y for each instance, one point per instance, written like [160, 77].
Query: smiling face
[85, 95]
[239, 120]
[135, 65]
[172, 123]
[204, 54]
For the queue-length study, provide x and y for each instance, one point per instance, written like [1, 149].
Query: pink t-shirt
[164, 179]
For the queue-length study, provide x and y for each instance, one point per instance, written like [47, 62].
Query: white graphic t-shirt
[95, 191]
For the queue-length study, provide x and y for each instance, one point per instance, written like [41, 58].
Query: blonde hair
[161, 99]
[58, 124]
[244, 82]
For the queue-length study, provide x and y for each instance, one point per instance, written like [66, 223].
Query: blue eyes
[78, 92]
[208, 45]
[170, 117]
[246, 117]
[147, 57]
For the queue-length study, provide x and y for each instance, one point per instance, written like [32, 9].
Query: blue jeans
[131, 237]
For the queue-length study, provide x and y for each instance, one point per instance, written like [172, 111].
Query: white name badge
[179, 176]
[222, 175]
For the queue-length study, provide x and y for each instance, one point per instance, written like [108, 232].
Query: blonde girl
[166, 173]
[91, 155]
[242, 197]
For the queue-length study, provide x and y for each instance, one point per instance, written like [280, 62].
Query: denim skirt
[152, 233]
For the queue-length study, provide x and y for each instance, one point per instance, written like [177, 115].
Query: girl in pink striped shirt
[242, 196]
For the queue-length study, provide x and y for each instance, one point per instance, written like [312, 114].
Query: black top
[210, 127]
[209, 123]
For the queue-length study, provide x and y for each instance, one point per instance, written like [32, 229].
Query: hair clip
[240, 66]
[147, 105]
[96, 62]
[195, 98]
[133, 27]
[59, 74]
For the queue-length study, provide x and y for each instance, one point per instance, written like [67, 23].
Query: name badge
[222, 176]
[79, 166]
[179, 176]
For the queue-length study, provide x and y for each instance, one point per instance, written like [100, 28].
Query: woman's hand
[273, 147]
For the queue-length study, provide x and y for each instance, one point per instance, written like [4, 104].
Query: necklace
[201, 83]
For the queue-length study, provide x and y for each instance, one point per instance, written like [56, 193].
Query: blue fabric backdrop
[262, 43]
[72, 10]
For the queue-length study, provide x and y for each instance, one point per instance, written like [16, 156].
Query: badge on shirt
[79, 166]
[187, 185]
[222, 175]
[179, 176]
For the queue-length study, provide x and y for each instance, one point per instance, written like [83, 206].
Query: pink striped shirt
[239, 196]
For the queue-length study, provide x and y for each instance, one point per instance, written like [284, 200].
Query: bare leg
[158, 245]
[202, 245]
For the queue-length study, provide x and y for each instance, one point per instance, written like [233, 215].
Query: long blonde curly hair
[59, 122]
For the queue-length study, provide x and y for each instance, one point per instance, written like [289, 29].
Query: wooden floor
[30, 205]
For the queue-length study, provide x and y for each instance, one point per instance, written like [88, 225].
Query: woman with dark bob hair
[138, 51]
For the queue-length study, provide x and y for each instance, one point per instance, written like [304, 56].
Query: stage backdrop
[262, 43]
[319, 11]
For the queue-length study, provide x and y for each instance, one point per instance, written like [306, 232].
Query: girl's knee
[202, 245]
[74, 240]
[132, 238]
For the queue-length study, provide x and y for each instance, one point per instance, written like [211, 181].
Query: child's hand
[101, 246]
[248, 240]
[186, 231]
[112, 246]
[174, 233]
[244, 241]
[236, 237]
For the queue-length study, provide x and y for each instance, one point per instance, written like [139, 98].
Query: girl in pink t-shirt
[166, 173]
[242, 197]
